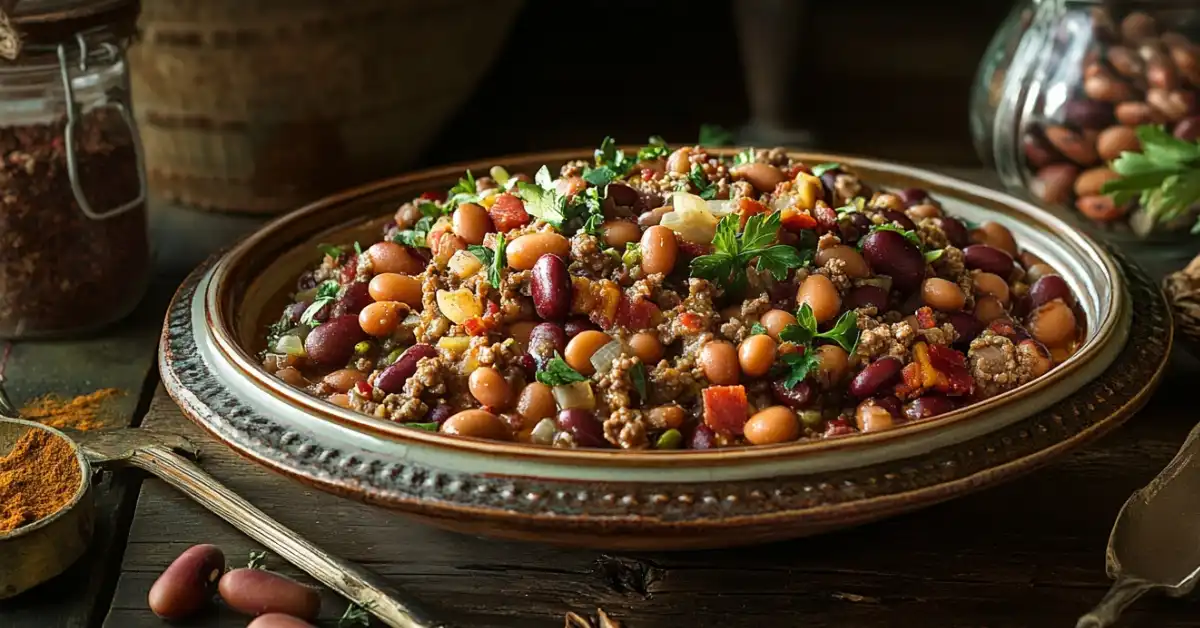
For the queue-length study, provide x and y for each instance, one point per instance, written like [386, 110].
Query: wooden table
[1027, 554]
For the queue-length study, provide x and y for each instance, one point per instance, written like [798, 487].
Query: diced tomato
[692, 322]
[797, 219]
[363, 388]
[475, 326]
[350, 269]
[747, 207]
[508, 213]
[648, 174]
[726, 408]
[692, 249]
[797, 169]
[433, 196]
[925, 319]
[637, 315]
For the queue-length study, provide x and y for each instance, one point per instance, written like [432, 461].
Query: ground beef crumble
[590, 259]
[893, 339]
[996, 365]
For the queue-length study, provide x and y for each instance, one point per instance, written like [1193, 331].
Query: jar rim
[49, 11]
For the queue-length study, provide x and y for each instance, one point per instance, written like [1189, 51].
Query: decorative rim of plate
[221, 318]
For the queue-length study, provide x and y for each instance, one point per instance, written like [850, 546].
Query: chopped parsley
[417, 237]
[744, 157]
[258, 560]
[465, 191]
[482, 253]
[593, 209]
[727, 265]
[611, 164]
[637, 374]
[326, 293]
[797, 366]
[332, 250]
[600, 177]
[908, 234]
[821, 169]
[542, 200]
[714, 135]
[853, 205]
[357, 248]
[934, 255]
[844, 332]
[356, 614]
[558, 373]
[706, 190]
[757, 329]
[428, 427]
[655, 148]
[493, 261]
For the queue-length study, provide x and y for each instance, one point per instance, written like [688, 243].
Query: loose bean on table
[820, 295]
[581, 348]
[756, 355]
[776, 424]
[476, 423]
[523, 252]
[258, 592]
[405, 289]
[719, 361]
[659, 250]
[188, 583]
[489, 387]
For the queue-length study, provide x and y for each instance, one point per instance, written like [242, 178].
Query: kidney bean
[1088, 114]
[581, 424]
[573, 327]
[258, 592]
[622, 195]
[989, 259]
[1038, 152]
[188, 583]
[912, 196]
[955, 231]
[278, 620]
[1072, 145]
[891, 254]
[545, 340]
[354, 299]
[1049, 288]
[967, 326]
[1188, 129]
[797, 397]
[900, 219]
[440, 413]
[550, 287]
[393, 378]
[332, 343]
[702, 437]
[928, 406]
[854, 226]
[874, 376]
[863, 296]
[889, 403]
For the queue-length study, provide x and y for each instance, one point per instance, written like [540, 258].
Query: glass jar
[1059, 93]
[74, 247]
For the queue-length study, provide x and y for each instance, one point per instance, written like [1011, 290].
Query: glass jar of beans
[74, 251]
[1060, 94]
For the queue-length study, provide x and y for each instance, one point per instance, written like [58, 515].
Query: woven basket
[262, 105]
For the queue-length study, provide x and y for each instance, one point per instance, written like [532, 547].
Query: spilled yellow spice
[85, 412]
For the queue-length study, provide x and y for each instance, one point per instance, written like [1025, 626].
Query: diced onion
[291, 345]
[698, 227]
[576, 395]
[721, 208]
[685, 202]
[780, 203]
[454, 345]
[459, 305]
[464, 264]
[603, 358]
[499, 174]
[543, 432]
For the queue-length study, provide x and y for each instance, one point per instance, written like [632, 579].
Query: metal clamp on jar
[74, 250]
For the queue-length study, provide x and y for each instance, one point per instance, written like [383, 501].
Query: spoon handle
[1120, 595]
[355, 583]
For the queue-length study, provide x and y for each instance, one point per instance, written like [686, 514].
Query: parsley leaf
[908, 234]
[714, 135]
[332, 250]
[821, 169]
[797, 366]
[465, 191]
[417, 237]
[496, 270]
[609, 155]
[428, 427]
[481, 253]
[727, 265]
[934, 255]
[593, 208]
[258, 560]
[1164, 176]
[327, 292]
[357, 248]
[558, 373]
[542, 200]
[757, 329]
[844, 331]
[637, 373]
[656, 148]
[855, 204]
[744, 157]
[706, 190]
[600, 176]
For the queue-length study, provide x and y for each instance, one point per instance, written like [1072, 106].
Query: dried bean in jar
[583, 426]
[550, 287]
[875, 376]
[393, 378]
[188, 583]
[61, 270]
[258, 592]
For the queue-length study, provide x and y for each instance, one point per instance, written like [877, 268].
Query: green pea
[363, 347]
[811, 418]
[670, 439]
[393, 356]
[632, 256]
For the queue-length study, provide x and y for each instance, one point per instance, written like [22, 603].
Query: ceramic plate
[650, 499]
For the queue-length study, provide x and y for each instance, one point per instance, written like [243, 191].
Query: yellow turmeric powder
[85, 412]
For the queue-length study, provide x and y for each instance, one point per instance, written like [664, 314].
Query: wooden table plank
[1028, 554]
[121, 357]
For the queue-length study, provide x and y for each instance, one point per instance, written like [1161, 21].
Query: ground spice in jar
[61, 270]
[37, 479]
[85, 412]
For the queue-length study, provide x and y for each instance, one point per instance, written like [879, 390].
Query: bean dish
[671, 299]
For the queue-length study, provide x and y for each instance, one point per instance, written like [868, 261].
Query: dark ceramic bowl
[650, 499]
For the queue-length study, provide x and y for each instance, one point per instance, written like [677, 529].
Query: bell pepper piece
[726, 409]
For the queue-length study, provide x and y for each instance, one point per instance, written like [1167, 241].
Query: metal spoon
[1155, 542]
[155, 452]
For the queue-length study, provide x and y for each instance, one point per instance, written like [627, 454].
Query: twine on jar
[10, 38]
